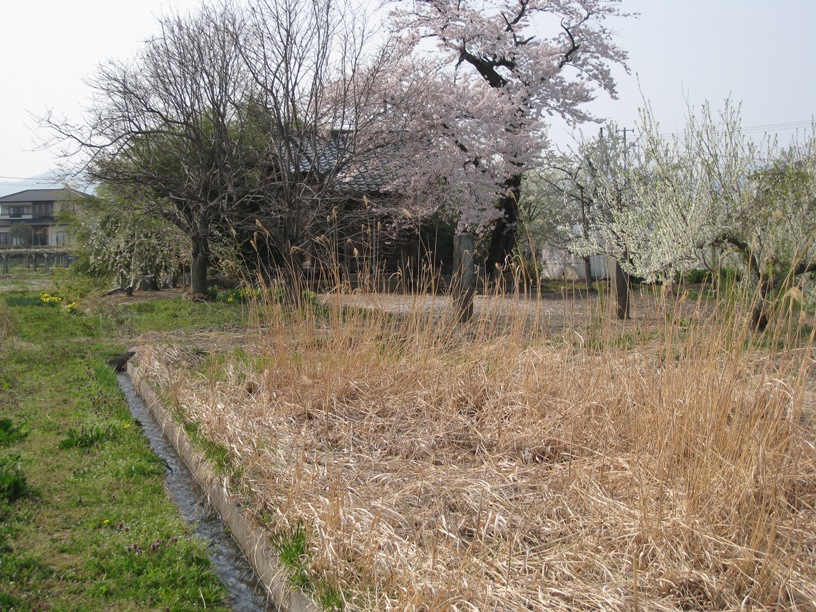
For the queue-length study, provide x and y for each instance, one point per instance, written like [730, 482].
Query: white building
[38, 208]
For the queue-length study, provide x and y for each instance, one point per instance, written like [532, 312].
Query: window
[4, 238]
[18, 211]
[40, 237]
[43, 209]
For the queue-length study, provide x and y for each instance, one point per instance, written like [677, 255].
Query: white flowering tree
[116, 238]
[555, 207]
[490, 80]
[587, 201]
[658, 203]
[714, 188]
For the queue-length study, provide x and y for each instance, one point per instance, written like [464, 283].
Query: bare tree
[253, 121]
[343, 137]
[174, 129]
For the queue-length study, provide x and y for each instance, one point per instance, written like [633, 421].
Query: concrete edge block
[251, 537]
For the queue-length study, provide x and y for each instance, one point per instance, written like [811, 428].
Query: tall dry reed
[659, 464]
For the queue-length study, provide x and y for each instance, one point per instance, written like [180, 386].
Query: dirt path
[552, 311]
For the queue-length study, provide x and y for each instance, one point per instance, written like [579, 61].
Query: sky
[681, 53]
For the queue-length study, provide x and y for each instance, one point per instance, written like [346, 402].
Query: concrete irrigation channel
[240, 552]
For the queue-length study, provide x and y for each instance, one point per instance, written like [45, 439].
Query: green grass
[181, 315]
[85, 520]
[293, 553]
[175, 315]
[21, 278]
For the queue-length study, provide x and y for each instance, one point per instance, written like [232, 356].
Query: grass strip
[85, 520]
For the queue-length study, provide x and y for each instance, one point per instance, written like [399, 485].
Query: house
[38, 208]
[372, 229]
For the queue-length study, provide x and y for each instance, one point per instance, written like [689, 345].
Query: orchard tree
[590, 208]
[557, 207]
[492, 81]
[117, 237]
[713, 188]
[757, 198]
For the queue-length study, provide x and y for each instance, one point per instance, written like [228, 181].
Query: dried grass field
[541, 457]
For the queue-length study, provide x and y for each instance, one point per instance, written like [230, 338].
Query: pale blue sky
[758, 52]
[761, 53]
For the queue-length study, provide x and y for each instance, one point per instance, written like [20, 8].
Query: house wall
[43, 221]
[557, 264]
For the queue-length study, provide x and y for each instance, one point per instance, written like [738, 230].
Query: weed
[86, 437]
[73, 286]
[293, 554]
[17, 301]
[10, 433]
[180, 315]
[13, 483]
[215, 453]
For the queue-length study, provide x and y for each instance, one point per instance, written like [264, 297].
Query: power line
[28, 180]
[770, 127]
[775, 127]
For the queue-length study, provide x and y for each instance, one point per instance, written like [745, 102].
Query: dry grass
[503, 466]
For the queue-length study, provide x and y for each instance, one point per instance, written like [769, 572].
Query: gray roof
[369, 172]
[42, 195]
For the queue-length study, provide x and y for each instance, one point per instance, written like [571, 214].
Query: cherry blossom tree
[491, 80]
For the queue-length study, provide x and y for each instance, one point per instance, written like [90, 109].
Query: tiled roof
[42, 195]
[365, 174]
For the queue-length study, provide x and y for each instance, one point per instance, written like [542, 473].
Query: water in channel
[246, 592]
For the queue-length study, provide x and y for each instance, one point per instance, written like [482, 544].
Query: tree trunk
[503, 238]
[464, 283]
[200, 261]
[759, 315]
[619, 287]
[588, 273]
